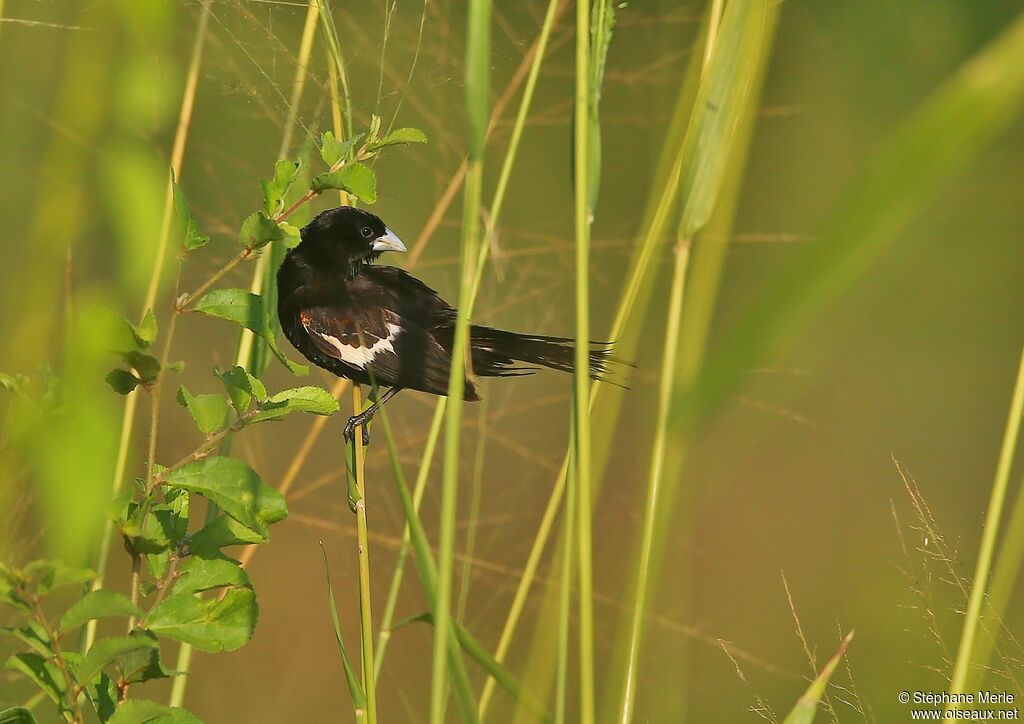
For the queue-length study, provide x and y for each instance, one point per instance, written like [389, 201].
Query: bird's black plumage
[376, 324]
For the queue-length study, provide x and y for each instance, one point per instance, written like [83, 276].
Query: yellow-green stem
[988, 538]
[581, 367]
[363, 553]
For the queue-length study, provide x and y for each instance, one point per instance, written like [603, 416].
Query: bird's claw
[350, 428]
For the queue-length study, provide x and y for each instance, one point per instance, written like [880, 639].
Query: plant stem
[565, 599]
[656, 475]
[58, 657]
[988, 538]
[132, 400]
[363, 555]
[581, 367]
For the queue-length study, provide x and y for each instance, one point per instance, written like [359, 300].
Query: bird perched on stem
[379, 325]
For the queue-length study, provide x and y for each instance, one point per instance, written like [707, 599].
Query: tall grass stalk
[478, 51]
[363, 556]
[990, 532]
[581, 368]
[565, 594]
[246, 344]
[733, 64]
[132, 400]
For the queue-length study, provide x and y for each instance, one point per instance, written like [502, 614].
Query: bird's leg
[364, 417]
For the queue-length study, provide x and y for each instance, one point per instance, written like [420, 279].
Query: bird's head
[351, 236]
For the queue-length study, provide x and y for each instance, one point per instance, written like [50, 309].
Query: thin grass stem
[363, 554]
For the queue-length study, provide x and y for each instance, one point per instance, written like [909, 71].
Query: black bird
[378, 325]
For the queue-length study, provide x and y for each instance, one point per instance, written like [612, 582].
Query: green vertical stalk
[655, 478]
[477, 108]
[581, 368]
[132, 400]
[565, 596]
[363, 557]
[988, 538]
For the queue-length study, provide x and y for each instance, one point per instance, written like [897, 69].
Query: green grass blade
[807, 705]
[354, 688]
[990, 532]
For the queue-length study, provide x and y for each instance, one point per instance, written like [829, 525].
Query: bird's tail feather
[497, 352]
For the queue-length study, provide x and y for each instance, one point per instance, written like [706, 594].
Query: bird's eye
[366, 231]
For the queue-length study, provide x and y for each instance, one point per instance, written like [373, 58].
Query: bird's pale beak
[388, 242]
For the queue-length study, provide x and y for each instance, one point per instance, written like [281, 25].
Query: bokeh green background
[797, 476]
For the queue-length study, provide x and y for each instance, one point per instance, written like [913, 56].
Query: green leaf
[258, 230]
[247, 309]
[145, 332]
[32, 635]
[104, 696]
[43, 673]
[97, 604]
[146, 366]
[106, 651]
[122, 381]
[242, 387]
[143, 711]
[144, 664]
[398, 137]
[16, 715]
[355, 690]
[235, 487]
[223, 531]
[209, 411]
[292, 235]
[807, 705]
[212, 624]
[315, 400]
[191, 237]
[200, 574]
[53, 574]
[276, 190]
[354, 178]
[332, 150]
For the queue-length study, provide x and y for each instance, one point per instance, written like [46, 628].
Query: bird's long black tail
[497, 352]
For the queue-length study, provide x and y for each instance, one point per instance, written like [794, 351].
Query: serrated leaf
[276, 190]
[247, 309]
[200, 573]
[210, 411]
[32, 635]
[354, 178]
[315, 400]
[122, 381]
[191, 237]
[218, 623]
[332, 150]
[143, 711]
[398, 137]
[292, 235]
[106, 651]
[242, 387]
[146, 366]
[41, 672]
[223, 531]
[97, 604]
[104, 696]
[258, 230]
[52, 574]
[16, 715]
[145, 332]
[144, 664]
[235, 488]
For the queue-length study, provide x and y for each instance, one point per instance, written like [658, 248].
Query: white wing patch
[360, 356]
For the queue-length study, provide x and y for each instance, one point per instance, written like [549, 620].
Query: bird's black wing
[380, 342]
